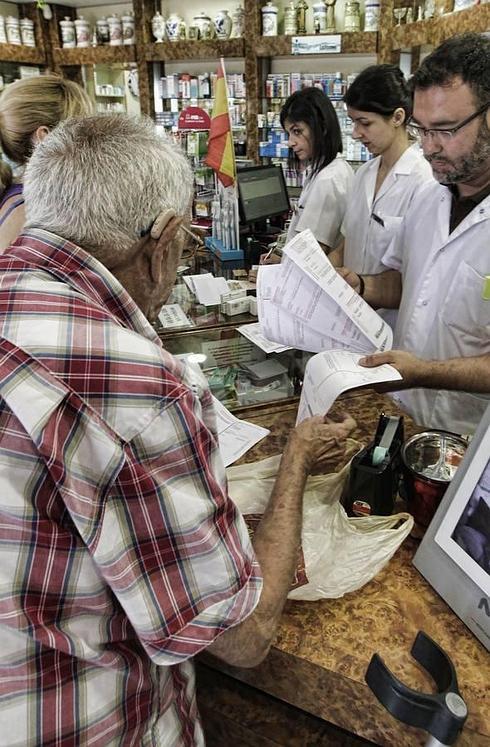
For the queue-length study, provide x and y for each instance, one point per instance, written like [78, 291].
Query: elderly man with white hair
[121, 554]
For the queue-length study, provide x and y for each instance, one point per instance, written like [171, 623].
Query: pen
[269, 253]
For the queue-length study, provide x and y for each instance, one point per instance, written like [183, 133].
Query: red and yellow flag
[221, 155]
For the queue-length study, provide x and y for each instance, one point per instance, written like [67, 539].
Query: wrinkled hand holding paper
[305, 303]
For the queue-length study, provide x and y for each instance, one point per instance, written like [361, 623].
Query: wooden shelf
[21, 53]
[359, 42]
[94, 55]
[434, 30]
[195, 50]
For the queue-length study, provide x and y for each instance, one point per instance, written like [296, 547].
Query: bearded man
[439, 274]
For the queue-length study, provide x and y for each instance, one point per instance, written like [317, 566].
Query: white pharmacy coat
[444, 311]
[323, 201]
[371, 222]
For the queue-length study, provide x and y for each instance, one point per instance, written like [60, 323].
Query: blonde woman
[29, 109]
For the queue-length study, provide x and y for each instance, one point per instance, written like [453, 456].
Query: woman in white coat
[315, 142]
[379, 105]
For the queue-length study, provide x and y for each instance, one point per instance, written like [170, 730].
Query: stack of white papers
[207, 288]
[253, 333]
[235, 436]
[304, 303]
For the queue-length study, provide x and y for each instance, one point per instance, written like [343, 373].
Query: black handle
[441, 714]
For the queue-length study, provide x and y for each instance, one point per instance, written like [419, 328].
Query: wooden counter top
[323, 648]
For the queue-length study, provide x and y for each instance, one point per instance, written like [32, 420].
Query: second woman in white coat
[379, 105]
[315, 141]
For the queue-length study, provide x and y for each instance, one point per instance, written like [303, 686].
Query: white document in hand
[293, 310]
[309, 289]
[332, 372]
[235, 436]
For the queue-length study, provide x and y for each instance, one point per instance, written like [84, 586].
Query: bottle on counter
[3, 33]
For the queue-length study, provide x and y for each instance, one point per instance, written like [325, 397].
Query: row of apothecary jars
[15, 31]
[222, 26]
[112, 31]
[324, 21]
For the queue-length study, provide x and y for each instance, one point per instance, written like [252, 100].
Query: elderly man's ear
[163, 232]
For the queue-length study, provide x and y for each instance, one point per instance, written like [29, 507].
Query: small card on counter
[173, 316]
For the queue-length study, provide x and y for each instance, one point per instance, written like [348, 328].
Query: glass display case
[240, 373]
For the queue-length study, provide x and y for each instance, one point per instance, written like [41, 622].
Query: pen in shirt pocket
[378, 219]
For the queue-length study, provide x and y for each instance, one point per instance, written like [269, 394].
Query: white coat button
[424, 303]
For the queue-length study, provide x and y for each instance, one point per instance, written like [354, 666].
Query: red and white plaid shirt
[121, 555]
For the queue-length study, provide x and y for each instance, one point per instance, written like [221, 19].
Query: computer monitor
[262, 193]
[454, 555]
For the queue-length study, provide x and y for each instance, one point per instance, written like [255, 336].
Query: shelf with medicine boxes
[239, 372]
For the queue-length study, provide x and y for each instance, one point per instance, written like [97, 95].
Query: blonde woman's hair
[27, 104]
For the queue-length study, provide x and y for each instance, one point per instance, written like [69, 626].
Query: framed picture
[454, 555]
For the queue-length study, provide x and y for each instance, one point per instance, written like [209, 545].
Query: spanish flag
[221, 155]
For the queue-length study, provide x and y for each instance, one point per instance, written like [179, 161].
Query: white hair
[101, 181]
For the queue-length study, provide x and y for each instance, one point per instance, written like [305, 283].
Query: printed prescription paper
[332, 372]
[235, 436]
[305, 303]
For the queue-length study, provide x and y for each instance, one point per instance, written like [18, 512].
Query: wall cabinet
[258, 55]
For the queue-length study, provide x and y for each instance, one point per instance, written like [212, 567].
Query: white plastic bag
[341, 554]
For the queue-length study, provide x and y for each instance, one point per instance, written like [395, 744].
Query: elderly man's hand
[411, 368]
[320, 441]
[350, 277]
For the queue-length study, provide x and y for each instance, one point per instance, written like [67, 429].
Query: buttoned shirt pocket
[465, 309]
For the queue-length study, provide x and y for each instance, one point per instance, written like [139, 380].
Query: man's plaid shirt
[121, 555]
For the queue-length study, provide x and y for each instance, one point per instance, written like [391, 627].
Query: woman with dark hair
[379, 104]
[315, 141]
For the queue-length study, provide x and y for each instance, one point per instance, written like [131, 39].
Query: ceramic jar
[115, 31]
[319, 17]
[301, 8]
[102, 31]
[82, 32]
[204, 25]
[27, 32]
[13, 30]
[352, 16]
[128, 28]
[158, 27]
[290, 25]
[238, 22]
[222, 24]
[269, 19]
[67, 26]
[371, 15]
[175, 28]
[430, 9]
